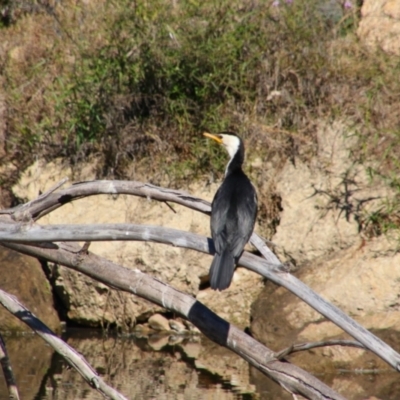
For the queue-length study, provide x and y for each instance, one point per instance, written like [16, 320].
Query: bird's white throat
[231, 144]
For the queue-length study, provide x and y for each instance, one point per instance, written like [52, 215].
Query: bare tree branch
[149, 288]
[75, 359]
[36, 209]
[8, 372]
[35, 233]
[288, 375]
[85, 189]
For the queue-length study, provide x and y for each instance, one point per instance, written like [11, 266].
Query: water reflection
[160, 368]
[189, 369]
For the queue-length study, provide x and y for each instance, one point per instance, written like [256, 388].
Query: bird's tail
[221, 270]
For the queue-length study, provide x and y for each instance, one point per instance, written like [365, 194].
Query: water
[161, 368]
[135, 367]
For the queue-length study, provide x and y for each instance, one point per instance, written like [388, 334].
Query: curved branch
[197, 242]
[45, 204]
[75, 359]
[220, 331]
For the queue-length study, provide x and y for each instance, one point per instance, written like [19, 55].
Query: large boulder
[23, 277]
[31, 359]
[380, 25]
[325, 204]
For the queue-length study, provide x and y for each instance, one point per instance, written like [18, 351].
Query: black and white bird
[233, 213]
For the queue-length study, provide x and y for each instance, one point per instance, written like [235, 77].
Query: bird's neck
[235, 163]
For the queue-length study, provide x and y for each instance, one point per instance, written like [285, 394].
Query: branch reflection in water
[157, 367]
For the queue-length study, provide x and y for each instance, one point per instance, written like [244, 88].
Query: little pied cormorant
[233, 213]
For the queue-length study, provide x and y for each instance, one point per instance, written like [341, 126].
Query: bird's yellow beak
[214, 137]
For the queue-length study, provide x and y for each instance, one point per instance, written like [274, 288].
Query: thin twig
[312, 345]
[170, 207]
[53, 188]
[8, 372]
[19, 210]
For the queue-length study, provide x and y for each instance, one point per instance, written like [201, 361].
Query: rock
[191, 349]
[157, 342]
[177, 326]
[380, 25]
[91, 303]
[320, 199]
[159, 323]
[357, 281]
[319, 230]
[175, 339]
[142, 331]
[31, 359]
[23, 277]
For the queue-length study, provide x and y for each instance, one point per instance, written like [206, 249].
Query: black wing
[234, 210]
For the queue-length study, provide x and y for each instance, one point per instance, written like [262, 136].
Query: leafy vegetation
[139, 81]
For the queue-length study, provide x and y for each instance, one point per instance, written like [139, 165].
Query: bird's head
[230, 141]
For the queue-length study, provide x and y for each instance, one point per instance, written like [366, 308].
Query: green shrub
[178, 71]
[141, 80]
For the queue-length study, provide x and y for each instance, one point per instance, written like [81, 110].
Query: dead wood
[73, 358]
[271, 269]
[16, 225]
[289, 376]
